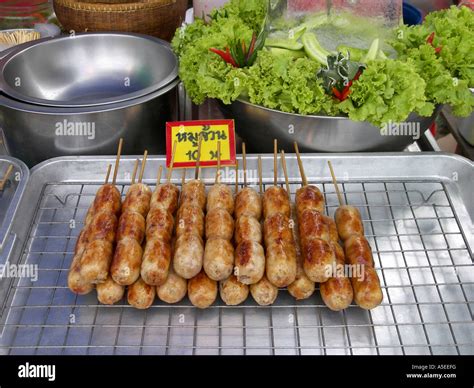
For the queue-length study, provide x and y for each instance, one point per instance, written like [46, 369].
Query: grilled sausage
[319, 259]
[233, 292]
[218, 259]
[249, 202]
[90, 216]
[278, 228]
[220, 197]
[127, 261]
[107, 199]
[131, 225]
[103, 227]
[281, 264]
[140, 295]
[156, 262]
[309, 197]
[110, 292]
[194, 193]
[219, 224]
[202, 291]
[190, 219]
[249, 262]
[137, 199]
[95, 261]
[349, 222]
[75, 281]
[248, 228]
[174, 289]
[337, 292]
[188, 255]
[276, 201]
[333, 236]
[264, 292]
[166, 197]
[159, 224]
[367, 290]
[82, 241]
[311, 226]
[303, 287]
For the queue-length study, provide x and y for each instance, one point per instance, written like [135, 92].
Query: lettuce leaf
[387, 90]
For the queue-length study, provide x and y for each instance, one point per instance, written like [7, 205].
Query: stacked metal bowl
[78, 95]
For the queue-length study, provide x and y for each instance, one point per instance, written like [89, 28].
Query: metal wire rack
[422, 256]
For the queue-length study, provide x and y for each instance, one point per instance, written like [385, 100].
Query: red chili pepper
[430, 38]
[337, 93]
[438, 49]
[252, 45]
[225, 55]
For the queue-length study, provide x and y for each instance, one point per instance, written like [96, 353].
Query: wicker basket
[159, 18]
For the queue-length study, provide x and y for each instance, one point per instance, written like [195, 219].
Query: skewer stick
[142, 170]
[244, 157]
[160, 173]
[198, 163]
[109, 169]
[236, 176]
[300, 165]
[218, 172]
[6, 176]
[260, 178]
[275, 162]
[336, 186]
[135, 169]
[173, 155]
[285, 171]
[117, 160]
[183, 178]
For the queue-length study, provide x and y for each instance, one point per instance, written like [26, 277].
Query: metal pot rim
[53, 110]
[17, 50]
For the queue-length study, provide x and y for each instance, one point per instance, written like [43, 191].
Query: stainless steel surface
[256, 124]
[87, 69]
[35, 133]
[11, 195]
[417, 210]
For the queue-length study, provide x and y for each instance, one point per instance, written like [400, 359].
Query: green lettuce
[388, 90]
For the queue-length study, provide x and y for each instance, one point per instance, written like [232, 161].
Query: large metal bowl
[87, 69]
[34, 133]
[258, 125]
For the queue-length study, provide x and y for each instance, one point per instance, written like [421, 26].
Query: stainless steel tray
[417, 210]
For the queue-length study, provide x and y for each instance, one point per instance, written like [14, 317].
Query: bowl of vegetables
[335, 99]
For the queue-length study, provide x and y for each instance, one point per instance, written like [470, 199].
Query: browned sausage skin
[166, 197]
[219, 224]
[202, 291]
[141, 295]
[349, 222]
[108, 198]
[249, 228]
[95, 261]
[220, 197]
[309, 197]
[275, 201]
[249, 262]
[131, 225]
[194, 193]
[233, 292]
[137, 199]
[159, 224]
[319, 260]
[156, 262]
[249, 202]
[127, 261]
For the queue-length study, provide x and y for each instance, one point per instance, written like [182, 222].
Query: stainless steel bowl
[87, 69]
[34, 133]
[258, 126]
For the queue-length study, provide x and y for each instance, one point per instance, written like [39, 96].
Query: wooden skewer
[275, 162]
[197, 173]
[6, 176]
[244, 157]
[300, 165]
[117, 160]
[135, 169]
[285, 171]
[109, 169]
[260, 175]
[336, 186]
[142, 171]
[236, 177]
[218, 173]
[173, 155]
[160, 173]
[183, 178]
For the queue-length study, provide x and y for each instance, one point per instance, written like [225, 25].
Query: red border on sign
[169, 146]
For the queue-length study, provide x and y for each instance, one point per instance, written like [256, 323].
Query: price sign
[186, 135]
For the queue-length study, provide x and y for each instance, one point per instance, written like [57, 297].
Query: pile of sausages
[170, 244]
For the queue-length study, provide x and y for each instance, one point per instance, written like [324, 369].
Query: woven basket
[158, 18]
